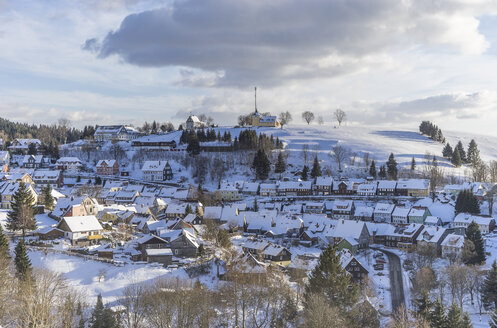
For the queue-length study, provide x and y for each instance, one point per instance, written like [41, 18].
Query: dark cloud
[255, 42]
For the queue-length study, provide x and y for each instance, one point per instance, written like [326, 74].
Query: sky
[384, 62]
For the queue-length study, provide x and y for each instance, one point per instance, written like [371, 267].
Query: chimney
[437, 228]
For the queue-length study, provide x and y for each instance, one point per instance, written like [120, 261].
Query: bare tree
[133, 303]
[319, 314]
[339, 154]
[492, 171]
[305, 152]
[101, 274]
[64, 125]
[366, 159]
[285, 118]
[424, 280]
[308, 116]
[457, 282]
[340, 116]
[320, 120]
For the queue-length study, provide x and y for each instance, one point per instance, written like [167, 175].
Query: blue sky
[385, 62]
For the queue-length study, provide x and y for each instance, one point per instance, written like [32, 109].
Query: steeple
[255, 99]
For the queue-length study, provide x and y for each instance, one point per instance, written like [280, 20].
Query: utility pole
[255, 99]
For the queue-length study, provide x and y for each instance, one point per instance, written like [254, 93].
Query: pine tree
[4, 245]
[372, 169]
[437, 317]
[316, 168]
[383, 172]
[261, 165]
[193, 147]
[21, 217]
[305, 173]
[466, 321]
[489, 288]
[332, 281]
[280, 166]
[392, 167]
[473, 233]
[447, 151]
[97, 317]
[473, 153]
[454, 316]
[78, 179]
[456, 159]
[423, 304]
[188, 210]
[413, 164]
[256, 206]
[48, 198]
[462, 153]
[492, 323]
[22, 261]
[467, 202]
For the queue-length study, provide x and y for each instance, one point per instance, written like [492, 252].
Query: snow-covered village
[248, 164]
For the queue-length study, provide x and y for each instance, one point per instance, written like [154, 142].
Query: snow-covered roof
[413, 184]
[274, 250]
[324, 181]
[431, 234]
[467, 218]
[213, 212]
[387, 184]
[64, 160]
[81, 223]
[156, 166]
[343, 205]
[401, 211]
[295, 185]
[158, 251]
[384, 208]
[108, 162]
[417, 211]
[347, 228]
[453, 240]
[434, 220]
[364, 211]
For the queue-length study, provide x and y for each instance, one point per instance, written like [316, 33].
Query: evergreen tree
[4, 245]
[413, 164]
[467, 202]
[423, 305]
[97, 317]
[437, 317]
[454, 316]
[98, 181]
[383, 172]
[447, 151]
[78, 179]
[256, 206]
[473, 153]
[193, 147]
[280, 166]
[492, 323]
[372, 169]
[466, 321]
[392, 167]
[489, 288]
[261, 165]
[332, 281]
[188, 210]
[305, 173]
[316, 168]
[456, 159]
[22, 261]
[21, 217]
[473, 233]
[462, 153]
[48, 200]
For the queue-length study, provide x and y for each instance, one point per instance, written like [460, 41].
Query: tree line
[432, 131]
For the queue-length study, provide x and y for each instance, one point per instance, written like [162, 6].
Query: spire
[255, 98]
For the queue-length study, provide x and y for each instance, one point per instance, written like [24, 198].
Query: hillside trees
[473, 234]
[467, 202]
[22, 261]
[339, 154]
[392, 170]
[489, 288]
[316, 168]
[305, 173]
[461, 151]
[456, 159]
[372, 169]
[447, 151]
[280, 166]
[285, 118]
[48, 199]
[432, 131]
[340, 116]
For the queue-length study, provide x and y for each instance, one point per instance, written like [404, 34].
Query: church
[263, 120]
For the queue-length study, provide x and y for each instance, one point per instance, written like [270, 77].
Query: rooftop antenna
[255, 98]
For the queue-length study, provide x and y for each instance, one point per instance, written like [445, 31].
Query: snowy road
[396, 284]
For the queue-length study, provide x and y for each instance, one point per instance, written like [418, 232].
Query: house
[463, 220]
[175, 211]
[159, 255]
[107, 167]
[277, 255]
[383, 212]
[295, 188]
[433, 237]
[213, 213]
[124, 197]
[343, 209]
[314, 207]
[17, 177]
[268, 189]
[363, 213]
[183, 243]
[9, 189]
[52, 178]
[165, 142]
[386, 187]
[157, 171]
[115, 133]
[250, 188]
[263, 120]
[452, 246]
[81, 229]
[418, 214]
[349, 244]
[152, 242]
[367, 189]
[4, 157]
[74, 206]
[402, 237]
[50, 233]
[193, 122]
[33, 162]
[228, 192]
[400, 215]
[343, 188]
[255, 247]
[323, 186]
[354, 230]
[21, 146]
[433, 221]
[413, 188]
[353, 266]
[68, 164]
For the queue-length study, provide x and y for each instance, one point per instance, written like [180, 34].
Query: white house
[68, 163]
[193, 122]
[463, 220]
[81, 228]
[157, 171]
[367, 189]
[452, 246]
[400, 215]
[383, 212]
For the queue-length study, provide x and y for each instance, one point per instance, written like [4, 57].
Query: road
[396, 283]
